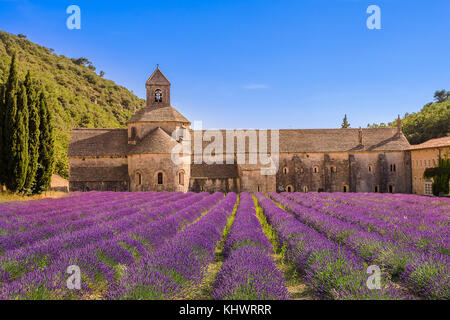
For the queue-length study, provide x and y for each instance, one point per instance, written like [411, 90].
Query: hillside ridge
[78, 96]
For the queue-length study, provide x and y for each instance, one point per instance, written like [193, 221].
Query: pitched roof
[163, 114]
[158, 78]
[338, 140]
[155, 142]
[98, 142]
[433, 143]
[99, 173]
[330, 140]
[214, 171]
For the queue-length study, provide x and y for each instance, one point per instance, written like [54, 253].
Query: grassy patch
[8, 196]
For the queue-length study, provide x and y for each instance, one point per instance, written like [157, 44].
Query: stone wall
[98, 173]
[422, 159]
[85, 186]
[215, 184]
[345, 172]
[313, 172]
[253, 181]
[148, 166]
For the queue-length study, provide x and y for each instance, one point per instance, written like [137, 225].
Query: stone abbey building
[138, 158]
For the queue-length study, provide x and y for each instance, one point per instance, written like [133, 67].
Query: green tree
[440, 175]
[441, 95]
[18, 159]
[34, 132]
[432, 121]
[46, 161]
[2, 126]
[9, 119]
[345, 123]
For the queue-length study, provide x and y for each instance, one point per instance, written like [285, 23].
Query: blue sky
[258, 63]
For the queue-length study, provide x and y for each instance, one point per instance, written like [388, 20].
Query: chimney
[399, 125]
[360, 136]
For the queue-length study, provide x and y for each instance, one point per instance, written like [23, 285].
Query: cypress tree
[18, 160]
[46, 148]
[34, 133]
[345, 123]
[10, 118]
[2, 126]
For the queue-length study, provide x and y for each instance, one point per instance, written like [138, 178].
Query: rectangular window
[429, 188]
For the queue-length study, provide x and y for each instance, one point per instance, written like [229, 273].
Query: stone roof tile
[156, 141]
[330, 140]
[98, 142]
[433, 143]
[164, 114]
[158, 78]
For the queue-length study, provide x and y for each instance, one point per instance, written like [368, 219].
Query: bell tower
[158, 90]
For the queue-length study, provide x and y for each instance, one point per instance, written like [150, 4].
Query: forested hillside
[77, 95]
[432, 121]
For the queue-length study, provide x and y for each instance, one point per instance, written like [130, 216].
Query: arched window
[285, 170]
[139, 178]
[316, 169]
[181, 178]
[370, 168]
[160, 178]
[158, 95]
[301, 170]
[333, 169]
[393, 168]
[345, 188]
[290, 188]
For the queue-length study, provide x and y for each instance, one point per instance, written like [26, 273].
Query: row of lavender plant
[26, 230]
[28, 208]
[391, 209]
[180, 263]
[425, 273]
[102, 262]
[330, 271]
[396, 209]
[75, 221]
[56, 214]
[410, 200]
[18, 262]
[248, 271]
[420, 239]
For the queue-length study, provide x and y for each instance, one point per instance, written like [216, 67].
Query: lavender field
[213, 246]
